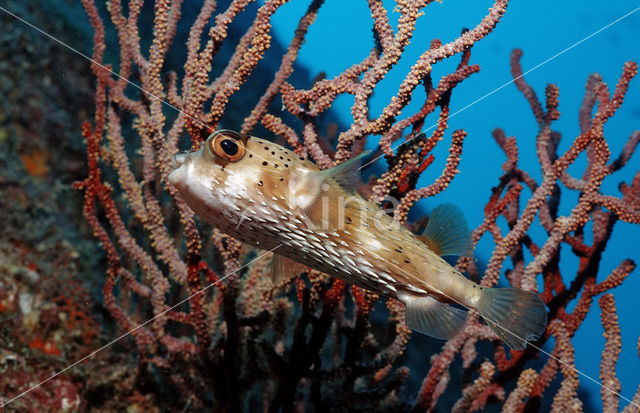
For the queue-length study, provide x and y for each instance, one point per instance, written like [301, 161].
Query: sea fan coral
[210, 328]
[244, 342]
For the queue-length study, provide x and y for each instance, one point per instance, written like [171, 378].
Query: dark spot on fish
[407, 260]
[275, 166]
[282, 179]
[273, 152]
[289, 159]
[281, 158]
[348, 220]
[266, 148]
[250, 155]
[260, 142]
[260, 183]
[399, 249]
[286, 166]
[265, 163]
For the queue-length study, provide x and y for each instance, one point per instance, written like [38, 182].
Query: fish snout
[177, 176]
[180, 162]
[179, 159]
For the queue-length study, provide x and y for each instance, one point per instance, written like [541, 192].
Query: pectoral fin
[305, 186]
[347, 174]
[283, 268]
[431, 317]
[306, 189]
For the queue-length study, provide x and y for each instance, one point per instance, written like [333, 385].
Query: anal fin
[283, 268]
[432, 317]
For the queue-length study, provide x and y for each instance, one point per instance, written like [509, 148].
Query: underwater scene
[319, 206]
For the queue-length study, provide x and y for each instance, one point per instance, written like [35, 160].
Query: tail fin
[514, 314]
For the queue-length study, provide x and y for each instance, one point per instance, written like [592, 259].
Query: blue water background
[341, 36]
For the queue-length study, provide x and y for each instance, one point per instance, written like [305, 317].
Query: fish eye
[227, 145]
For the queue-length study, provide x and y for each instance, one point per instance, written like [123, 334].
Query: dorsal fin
[283, 268]
[447, 232]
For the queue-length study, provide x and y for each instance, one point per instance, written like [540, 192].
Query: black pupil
[229, 146]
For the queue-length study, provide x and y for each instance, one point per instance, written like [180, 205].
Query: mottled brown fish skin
[340, 233]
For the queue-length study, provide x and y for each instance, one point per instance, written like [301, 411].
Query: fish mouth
[179, 159]
[173, 176]
[177, 174]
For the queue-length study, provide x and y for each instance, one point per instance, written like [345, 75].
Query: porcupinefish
[267, 196]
